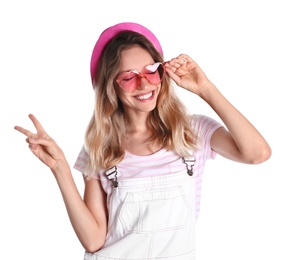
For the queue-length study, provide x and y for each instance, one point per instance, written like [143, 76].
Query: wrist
[60, 168]
[207, 90]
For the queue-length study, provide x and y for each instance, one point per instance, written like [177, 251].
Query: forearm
[89, 227]
[89, 231]
[250, 143]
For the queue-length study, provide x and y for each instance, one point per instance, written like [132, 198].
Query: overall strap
[189, 162]
[112, 174]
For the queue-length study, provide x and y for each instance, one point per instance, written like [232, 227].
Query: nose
[144, 84]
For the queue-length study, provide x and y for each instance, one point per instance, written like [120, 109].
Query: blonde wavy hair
[169, 121]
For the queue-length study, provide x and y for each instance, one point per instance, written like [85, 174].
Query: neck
[137, 122]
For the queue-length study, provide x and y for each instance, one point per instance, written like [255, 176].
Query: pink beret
[111, 32]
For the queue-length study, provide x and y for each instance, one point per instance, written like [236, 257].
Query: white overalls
[151, 218]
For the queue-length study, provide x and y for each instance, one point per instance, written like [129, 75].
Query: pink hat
[111, 32]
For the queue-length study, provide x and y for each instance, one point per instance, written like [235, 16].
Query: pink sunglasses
[130, 80]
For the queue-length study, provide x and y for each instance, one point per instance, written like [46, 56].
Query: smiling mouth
[145, 96]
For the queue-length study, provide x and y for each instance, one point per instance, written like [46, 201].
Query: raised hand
[42, 145]
[187, 74]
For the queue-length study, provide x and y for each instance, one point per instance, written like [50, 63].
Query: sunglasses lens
[130, 80]
[154, 73]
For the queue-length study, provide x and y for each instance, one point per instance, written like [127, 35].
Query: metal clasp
[112, 174]
[189, 162]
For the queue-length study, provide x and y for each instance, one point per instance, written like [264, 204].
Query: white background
[44, 61]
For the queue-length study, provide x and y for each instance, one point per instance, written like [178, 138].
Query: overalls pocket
[154, 210]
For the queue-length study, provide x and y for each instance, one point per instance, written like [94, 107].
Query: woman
[144, 155]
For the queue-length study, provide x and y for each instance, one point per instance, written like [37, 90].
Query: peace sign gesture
[42, 145]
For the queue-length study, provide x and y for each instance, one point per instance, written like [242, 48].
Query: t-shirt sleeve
[205, 127]
[82, 164]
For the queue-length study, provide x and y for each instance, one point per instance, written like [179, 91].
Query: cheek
[121, 94]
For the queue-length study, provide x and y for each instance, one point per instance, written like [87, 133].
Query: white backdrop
[44, 60]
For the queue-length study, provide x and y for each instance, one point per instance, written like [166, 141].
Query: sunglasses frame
[142, 74]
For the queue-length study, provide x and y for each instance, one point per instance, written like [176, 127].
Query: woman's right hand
[43, 146]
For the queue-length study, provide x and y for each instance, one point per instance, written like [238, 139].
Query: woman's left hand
[187, 74]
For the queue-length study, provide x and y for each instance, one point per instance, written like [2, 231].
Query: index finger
[24, 131]
[37, 125]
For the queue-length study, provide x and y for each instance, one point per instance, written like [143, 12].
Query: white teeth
[146, 96]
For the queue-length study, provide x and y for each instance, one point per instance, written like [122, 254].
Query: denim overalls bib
[151, 217]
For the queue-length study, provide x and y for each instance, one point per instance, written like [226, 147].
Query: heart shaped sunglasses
[130, 80]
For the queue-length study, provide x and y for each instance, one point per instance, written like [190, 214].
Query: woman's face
[144, 98]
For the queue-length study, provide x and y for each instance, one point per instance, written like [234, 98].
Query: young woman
[144, 155]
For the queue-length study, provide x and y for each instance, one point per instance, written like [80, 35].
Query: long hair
[169, 121]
